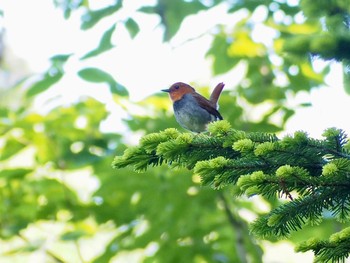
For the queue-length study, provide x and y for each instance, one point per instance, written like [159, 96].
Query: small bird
[192, 111]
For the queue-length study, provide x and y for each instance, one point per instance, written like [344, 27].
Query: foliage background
[59, 195]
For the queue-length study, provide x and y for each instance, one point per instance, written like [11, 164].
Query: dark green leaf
[132, 27]
[104, 45]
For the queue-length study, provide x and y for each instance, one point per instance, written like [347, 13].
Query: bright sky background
[35, 31]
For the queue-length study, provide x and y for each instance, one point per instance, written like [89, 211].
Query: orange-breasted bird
[192, 111]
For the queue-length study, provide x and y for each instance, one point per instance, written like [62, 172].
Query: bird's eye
[176, 86]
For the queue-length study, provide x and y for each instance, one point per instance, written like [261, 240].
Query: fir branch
[292, 216]
[151, 141]
[220, 171]
[313, 174]
[336, 249]
[138, 158]
[189, 149]
[261, 137]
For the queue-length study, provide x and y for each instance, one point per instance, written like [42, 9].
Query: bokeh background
[80, 82]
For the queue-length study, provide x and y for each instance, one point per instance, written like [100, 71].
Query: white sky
[35, 31]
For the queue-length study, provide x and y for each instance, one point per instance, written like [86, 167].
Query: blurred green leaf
[4, 112]
[73, 235]
[100, 76]
[51, 76]
[104, 45]
[59, 60]
[148, 9]
[250, 5]
[119, 89]
[68, 6]
[172, 13]
[218, 51]
[11, 147]
[92, 17]
[9, 174]
[95, 75]
[132, 27]
[25, 248]
[346, 74]
[47, 80]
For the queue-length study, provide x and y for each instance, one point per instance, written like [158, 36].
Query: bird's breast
[190, 115]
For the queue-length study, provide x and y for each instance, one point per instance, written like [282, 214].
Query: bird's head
[178, 90]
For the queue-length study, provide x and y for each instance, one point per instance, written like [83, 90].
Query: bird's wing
[207, 105]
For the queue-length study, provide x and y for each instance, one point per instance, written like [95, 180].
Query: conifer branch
[313, 174]
[335, 249]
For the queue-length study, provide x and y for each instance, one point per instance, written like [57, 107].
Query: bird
[193, 111]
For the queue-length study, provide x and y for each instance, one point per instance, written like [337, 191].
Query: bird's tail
[214, 97]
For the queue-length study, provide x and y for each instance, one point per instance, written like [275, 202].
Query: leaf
[99, 76]
[58, 61]
[14, 173]
[4, 112]
[249, 5]
[104, 45]
[95, 75]
[346, 74]
[24, 249]
[119, 89]
[73, 235]
[68, 6]
[218, 50]
[61, 58]
[172, 13]
[11, 147]
[51, 76]
[148, 9]
[93, 17]
[132, 27]
[46, 82]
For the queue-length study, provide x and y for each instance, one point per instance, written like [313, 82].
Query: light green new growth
[312, 175]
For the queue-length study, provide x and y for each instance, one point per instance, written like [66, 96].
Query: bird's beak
[166, 90]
